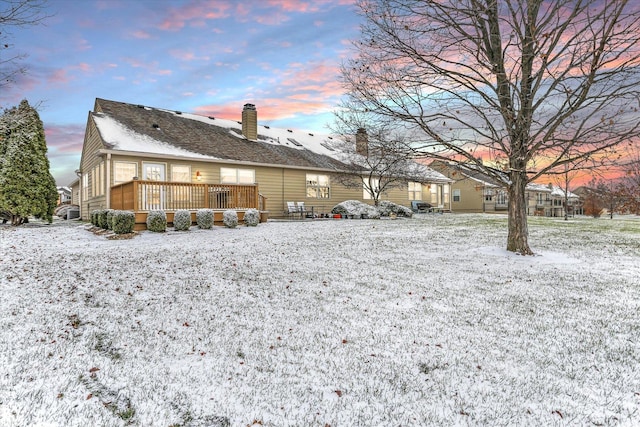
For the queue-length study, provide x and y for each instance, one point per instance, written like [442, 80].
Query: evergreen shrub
[157, 221]
[182, 220]
[102, 218]
[251, 217]
[204, 218]
[230, 218]
[123, 222]
[110, 219]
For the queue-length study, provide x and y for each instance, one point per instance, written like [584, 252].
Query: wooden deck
[144, 196]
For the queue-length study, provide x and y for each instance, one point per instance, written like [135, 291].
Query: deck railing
[142, 196]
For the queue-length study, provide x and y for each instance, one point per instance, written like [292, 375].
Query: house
[140, 158]
[64, 195]
[475, 191]
[560, 199]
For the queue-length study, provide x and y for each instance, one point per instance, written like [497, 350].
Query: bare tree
[629, 183]
[16, 13]
[378, 159]
[516, 82]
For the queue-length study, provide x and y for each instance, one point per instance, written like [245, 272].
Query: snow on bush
[93, 216]
[123, 222]
[204, 218]
[355, 208]
[182, 220]
[230, 218]
[110, 219]
[386, 208]
[157, 221]
[251, 217]
[102, 218]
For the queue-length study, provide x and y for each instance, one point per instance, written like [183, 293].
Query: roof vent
[155, 126]
[267, 127]
[289, 130]
[294, 142]
[212, 118]
[140, 106]
[310, 134]
[178, 112]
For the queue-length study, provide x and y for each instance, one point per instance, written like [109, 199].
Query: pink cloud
[141, 34]
[83, 66]
[58, 76]
[64, 138]
[269, 109]
[187, 55]
[195, 14]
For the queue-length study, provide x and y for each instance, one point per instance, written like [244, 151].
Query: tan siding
[89, 159]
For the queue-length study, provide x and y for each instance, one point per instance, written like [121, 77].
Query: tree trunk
[518, 238]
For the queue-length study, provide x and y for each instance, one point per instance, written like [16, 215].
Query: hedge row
[123, 221]
[120, 222]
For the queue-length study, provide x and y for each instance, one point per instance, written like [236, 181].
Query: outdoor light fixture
[198, 176]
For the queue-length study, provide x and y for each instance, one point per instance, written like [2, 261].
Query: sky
[204, 57]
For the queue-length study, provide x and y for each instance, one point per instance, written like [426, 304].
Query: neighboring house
[539, 200]
[558, 200]
[475, 191]
[64, 195]
[142, 158]
[472, 190]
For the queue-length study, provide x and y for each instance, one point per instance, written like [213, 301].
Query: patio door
[154, 195]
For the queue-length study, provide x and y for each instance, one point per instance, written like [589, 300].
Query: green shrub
[157, 221]
[123, 222]
[93, 217]
[204, 218]
[182, 220]
[251, 217]
[230, 218]
[102, 218]
[110, 219]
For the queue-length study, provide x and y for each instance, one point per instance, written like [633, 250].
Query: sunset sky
[208, 57]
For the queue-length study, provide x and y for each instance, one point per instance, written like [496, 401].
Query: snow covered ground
[423, 321]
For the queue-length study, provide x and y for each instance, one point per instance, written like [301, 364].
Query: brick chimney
[250, 122]
[362, 142]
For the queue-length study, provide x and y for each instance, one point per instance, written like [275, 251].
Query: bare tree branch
[528, 85]
[16, 13]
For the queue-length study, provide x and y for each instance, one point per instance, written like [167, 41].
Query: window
[445, 191]
[501, 197]
[488, 195]
[434, 195]
[180, 173]
[97, 180]
[415, 191]
[456, 195]
[317, 186]
[180, 194]
[237, 176]
[124, 171]
[85, 186]
[374, 183]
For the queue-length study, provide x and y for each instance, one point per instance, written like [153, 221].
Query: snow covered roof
[540, 188]
[142, 129]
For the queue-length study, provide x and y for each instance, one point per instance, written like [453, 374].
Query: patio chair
[292, 209]
[301, 209]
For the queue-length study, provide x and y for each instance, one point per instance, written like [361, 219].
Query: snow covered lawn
[423, 321]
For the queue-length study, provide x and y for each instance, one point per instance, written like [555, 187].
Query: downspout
[108, 182]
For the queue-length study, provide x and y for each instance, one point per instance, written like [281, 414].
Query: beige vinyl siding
[88, 162]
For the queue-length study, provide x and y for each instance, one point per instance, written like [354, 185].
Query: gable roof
[140, 129]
